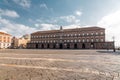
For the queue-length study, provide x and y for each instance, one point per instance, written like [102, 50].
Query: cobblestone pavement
[22, 64]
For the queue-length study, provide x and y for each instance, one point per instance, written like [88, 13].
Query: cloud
[70, 19]
[14, 28]
[71, 26]
[23, 3]
[46, 26]
[78, 13]
[112, 24]
[9, 13]
[43, 6]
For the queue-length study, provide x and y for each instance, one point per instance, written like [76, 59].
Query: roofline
[5, 33]
[68, 29]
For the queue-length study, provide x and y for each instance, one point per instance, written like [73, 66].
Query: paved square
[23, 64]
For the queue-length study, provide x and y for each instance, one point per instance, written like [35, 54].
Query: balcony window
[83, 40]
[91, 40]
[87, 40]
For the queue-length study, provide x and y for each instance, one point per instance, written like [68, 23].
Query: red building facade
[78, 38]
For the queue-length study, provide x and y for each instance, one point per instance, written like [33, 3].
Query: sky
[19, 17]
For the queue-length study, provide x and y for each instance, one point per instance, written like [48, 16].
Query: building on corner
[77, 38]
[5, 40]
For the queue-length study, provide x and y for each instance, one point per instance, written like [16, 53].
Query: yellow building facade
[5, 40]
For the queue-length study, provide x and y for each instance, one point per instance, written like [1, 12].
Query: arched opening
[36, 46]
[61, 46]
[54, 46]
[68, 45]
[83, 46]
[48, 46]
[75, 46]
[92, 45]
[42, 46]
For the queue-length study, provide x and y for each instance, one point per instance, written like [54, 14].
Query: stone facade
[20, 42]
[78, 38]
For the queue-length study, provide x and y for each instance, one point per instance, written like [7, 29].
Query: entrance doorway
[42, 46]
[68, 45]
[83, 46]
[75, 46]
[48, 46]
[36, 46]
[61, 46]
[92, 45]
[54, 46]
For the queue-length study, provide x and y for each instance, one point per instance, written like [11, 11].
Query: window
[87, 40]
[101, 40]
[51, 41]
[83, 40]
[75, 40]
[67, 40]
[96, 33]
[83, 34]
[87, 34]
[79, 40]
[91, 33]
[67, 34]
[91, 40]
[71, 40]
[97, 40]
[101, 33]
[75, 34]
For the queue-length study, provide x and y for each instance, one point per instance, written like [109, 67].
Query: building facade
[20, 42]
[5, 40]
[78, 38]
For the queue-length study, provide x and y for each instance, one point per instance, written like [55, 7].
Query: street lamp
[113, 43]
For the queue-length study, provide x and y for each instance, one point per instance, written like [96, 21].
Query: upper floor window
[92, 40]
[51, 41]
[67, 40]
[101, 33]
[87, 40]
[101, 40]
[67, 34]
[75, 40]
[75, 34]
[87, 34]
[71, 40]
[92, 33]
[96, 33]
[45, 41]
[83, 40]
[97, 40]
[83, 34]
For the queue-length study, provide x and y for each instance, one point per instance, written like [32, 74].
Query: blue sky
[19, 17]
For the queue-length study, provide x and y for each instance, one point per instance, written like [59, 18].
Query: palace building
[5, 40]
[77, 38]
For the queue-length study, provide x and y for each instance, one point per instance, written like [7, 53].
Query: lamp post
[113, 43]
